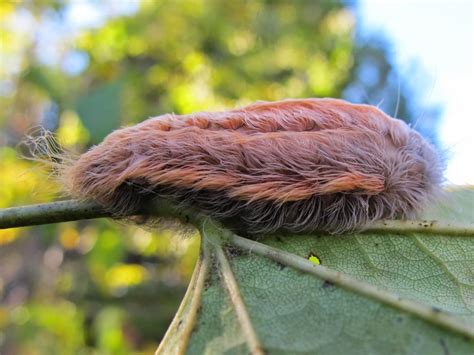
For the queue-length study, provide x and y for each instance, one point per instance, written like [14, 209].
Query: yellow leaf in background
[339, 22]
[71, 131]
[194, 62]
[240, 42]
[8, 235]
[6, 8]
[189, 257]
[136, 46]
[69, 238]
[20, 315]
[3, 317]
[125, 275]
[321, 76]
[22, 181]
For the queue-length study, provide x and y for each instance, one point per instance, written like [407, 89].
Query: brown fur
[295, 165]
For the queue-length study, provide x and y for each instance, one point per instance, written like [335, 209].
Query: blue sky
[438, 38]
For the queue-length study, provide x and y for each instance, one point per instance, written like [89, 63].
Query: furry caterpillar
[295, 165]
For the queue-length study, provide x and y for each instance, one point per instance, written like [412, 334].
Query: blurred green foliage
[106, 288]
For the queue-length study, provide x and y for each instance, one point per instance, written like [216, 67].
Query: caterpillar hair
[296, 165]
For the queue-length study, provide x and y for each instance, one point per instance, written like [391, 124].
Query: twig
[72, 210]
[423, 226]
[60, 211]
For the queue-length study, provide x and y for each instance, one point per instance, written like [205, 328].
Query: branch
[73, 210]
[423, 226]
[60, 211]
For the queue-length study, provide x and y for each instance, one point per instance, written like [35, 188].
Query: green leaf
[374, 293]
[50, 81]
[100, 109]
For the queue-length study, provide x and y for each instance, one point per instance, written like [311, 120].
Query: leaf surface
[296, 312]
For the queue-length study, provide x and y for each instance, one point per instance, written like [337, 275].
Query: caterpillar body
[296, 165]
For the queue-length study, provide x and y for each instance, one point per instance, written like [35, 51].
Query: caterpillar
[296, 165]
